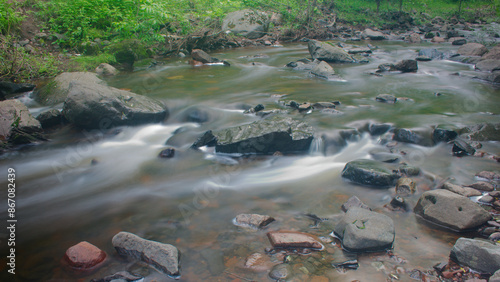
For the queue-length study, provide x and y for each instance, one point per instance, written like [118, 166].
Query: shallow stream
[189, 201]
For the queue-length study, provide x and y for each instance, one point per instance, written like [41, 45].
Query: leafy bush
[10, 19]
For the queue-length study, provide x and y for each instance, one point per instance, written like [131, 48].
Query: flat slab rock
[268, 136]
[164, 257]
[464, 191]
[293, 240]
[451, 210]
[252, 220]
[362, 230]
[481, 256]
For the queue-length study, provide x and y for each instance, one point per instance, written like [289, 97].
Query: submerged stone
[405, 186]
[253, 220]
[328, 53]
[369, 172]
[84, 256]
[293, 240]
[281, 272]
[354, 202]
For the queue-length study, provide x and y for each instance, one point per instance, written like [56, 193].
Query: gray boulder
[432, 53]
[17, 125]
[493, 54]
[494, 77]
[495, 277]
[51, 118]
[303, 64]
[373, 35]
[106, 70]
[8, 89]
[464, 191]
[481, 256]
[328, 53]
[56, 91]
[248, 23]
[411, 136]
[369, 172]
[406, 66]
[202, 56]
[323, 70]
[164, 257]
[488, 65]
[472, 49]
[482, 132]
[451, 210]
[268, 136]
[96, 106]
[362, 230]
[386, 98]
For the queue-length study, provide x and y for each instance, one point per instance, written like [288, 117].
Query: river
[88, 186]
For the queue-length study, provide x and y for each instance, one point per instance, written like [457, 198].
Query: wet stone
[494, 236]
[354, 202]
[292, 240]
[379, 129]
[167, 153]
[464, 191]
[409, 170]
[119, 276]
[405, 186]
[479, 255]
[462, 148]
[399, 203]
[486, 199]
[443, 135]
[386, 98]
[369, 172]
[483, 186]
[84, 256]
[488, 175]
[253, 220]
[258, 262]
[280, 272]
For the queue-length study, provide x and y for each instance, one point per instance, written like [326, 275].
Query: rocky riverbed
[340, 160]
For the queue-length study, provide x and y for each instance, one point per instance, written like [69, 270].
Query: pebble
[84, 256]
[280, 272]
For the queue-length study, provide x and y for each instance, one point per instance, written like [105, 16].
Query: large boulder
[248, 23]
[328, 53]
[164, 257]
[493, 54]
[472, 49]
[96, 106]
[488, 65]
[323, 70]
[106, 70]
[407, 66]
[202, 56]
[17, 125]
[451, 210]
[370, 172]
[481, 256]
[373, 35]
[412, 136]
[268, 136]
[56, 91]
[362, 230]
[51, 118]
[8, 89]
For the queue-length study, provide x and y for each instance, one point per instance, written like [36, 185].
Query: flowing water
[88, 186]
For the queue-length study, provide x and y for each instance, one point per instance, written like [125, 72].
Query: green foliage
[89, 63]
[10, 19]
[19, 65]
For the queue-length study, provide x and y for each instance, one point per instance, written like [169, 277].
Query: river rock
[9, 88]
[106, 70]
[433, 53]
[488, 65]
[494, 77]
[479, 255]
[202, 56]
[405, 186]
[493, 54]
[458, 41]
[84, 256]
[167, 153]
[410, 136]
[267, 136]
[164, 257]
[281, 272]
[17, 125]
[96, 106]
[464, 191]
[118, 277]
[451, 210]
[51, 118]
[323, 70]
[443, 135]
[328, 53]
[483, 186]
[253, 220]
[56, 91]
[362, 230]
[373, 35]
[437, 39]
[248, 23]
[354, 202]
[376, 129]
[472, 49]
[409, 170]
[369, 172]
[495, 277]
[303, 64]
[462, 148]
[407, 66]
[293, 240]
[386, 98]
[488, 175]
[414, 38]
[324, 105]
[359, 50]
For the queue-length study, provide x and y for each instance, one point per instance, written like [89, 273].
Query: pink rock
[293, 240]
[84, 256]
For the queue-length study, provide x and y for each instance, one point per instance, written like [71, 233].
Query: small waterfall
[317, 146]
